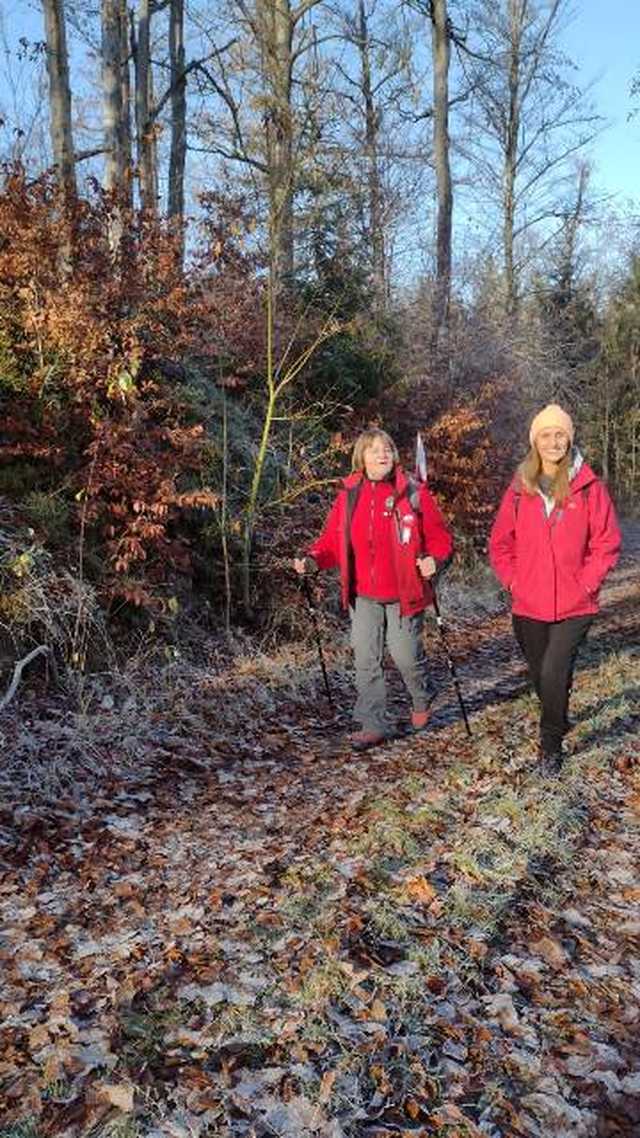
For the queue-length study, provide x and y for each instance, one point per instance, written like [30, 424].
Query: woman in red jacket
[387, 537]
[553, 541]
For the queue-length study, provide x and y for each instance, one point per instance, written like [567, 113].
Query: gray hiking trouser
[371, 622]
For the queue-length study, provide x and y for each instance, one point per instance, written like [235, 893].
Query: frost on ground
[218, 921]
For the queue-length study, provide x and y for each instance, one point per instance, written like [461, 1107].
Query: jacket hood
[580, 474]
[577, 462]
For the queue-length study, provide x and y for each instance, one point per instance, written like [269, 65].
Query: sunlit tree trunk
[60, 97]
[113, 111]
[440, 45]
[516, 13]
[125, 84]
[276, 26]
[178, 110]
[374, 187]
[145, 150]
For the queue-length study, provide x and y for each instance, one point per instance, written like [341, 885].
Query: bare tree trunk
[568, 263]
[276, 26]
[145, 150]
[113, 110]
[60, 95]
[152, 139]
[517, 10]
[441, 51]
[125, 83]
[178, 111]
[606, 434]
[633, 471]
[374, 186]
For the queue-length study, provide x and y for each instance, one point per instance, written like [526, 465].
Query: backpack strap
[413, 494]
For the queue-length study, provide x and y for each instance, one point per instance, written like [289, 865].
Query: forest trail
[287, 939]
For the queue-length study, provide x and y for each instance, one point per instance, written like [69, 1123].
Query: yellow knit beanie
[551, 416]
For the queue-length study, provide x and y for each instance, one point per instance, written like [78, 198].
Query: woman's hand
[427, 567]
[300, 565]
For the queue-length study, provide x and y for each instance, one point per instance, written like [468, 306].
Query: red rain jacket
[416, 532]
[554, 566]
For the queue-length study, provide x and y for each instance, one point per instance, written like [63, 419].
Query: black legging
[550, 649]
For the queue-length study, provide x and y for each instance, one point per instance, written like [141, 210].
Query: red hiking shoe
[420, 720]
[363, 740]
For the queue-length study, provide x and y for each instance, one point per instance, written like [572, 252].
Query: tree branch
[192, 66]
[302, 9]
[81, 155]
[41, 650]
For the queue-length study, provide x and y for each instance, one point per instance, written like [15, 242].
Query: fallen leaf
[116, 1094]
[38, 1038]
[378, 1010]
[418, 889]
[326, 1085]
[551, 952]
[411, 1107]
[501, 1009]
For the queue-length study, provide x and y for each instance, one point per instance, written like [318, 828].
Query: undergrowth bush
[99, 433]
[42, 604]
[132, 395]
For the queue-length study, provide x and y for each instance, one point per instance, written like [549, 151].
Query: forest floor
[217, 920]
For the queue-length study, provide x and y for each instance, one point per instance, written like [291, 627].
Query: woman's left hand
[427, 566]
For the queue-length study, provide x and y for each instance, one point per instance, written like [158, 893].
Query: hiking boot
[363, 740]
[420, 721]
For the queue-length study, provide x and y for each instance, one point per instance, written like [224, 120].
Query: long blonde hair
[529, 471]
[365, 440]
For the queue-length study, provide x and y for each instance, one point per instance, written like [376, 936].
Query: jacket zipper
[372, 548]
[551, 525]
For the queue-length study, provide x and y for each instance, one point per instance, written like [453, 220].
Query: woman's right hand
[300, 565]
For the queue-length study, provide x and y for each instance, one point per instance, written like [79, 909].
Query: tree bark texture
[372, 156]
[516, 14]
[60, 97]
[125, 83]
[113, 110]
[441, 52]
[145, 148]
[276, 24]
[178, 155]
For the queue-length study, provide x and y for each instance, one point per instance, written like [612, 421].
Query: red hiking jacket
[554, 566]
[416, 532]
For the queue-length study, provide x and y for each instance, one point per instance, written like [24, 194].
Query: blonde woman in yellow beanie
[554, 539]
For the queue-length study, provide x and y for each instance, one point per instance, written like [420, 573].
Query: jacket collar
[577, 462]
[581, 474]
[399, 481]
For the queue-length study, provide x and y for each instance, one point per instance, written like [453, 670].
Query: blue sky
[604, 41]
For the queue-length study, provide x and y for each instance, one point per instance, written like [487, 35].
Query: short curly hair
[366, 439]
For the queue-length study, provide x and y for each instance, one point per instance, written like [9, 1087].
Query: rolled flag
[421, 459]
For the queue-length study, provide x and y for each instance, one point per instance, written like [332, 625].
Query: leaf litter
[265, 935]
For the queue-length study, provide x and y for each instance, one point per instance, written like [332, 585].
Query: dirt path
[277, 938]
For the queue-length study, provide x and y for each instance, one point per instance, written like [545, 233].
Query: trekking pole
[316, 628]
[421, 475]
[448, 657]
